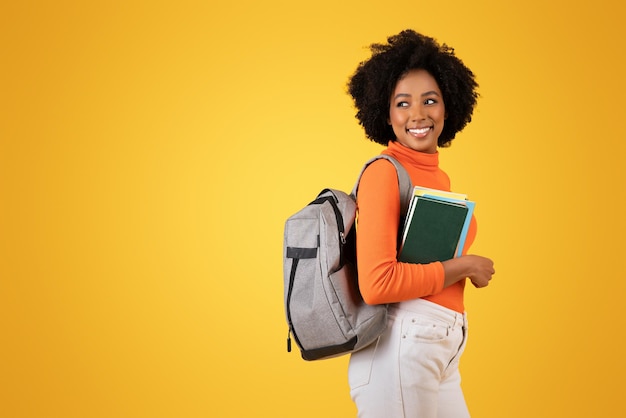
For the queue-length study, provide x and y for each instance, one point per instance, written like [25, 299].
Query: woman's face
[417, 111]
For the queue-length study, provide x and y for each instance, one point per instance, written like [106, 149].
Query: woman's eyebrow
[397, 96]
[428, 93]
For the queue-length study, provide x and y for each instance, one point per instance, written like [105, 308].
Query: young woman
[412, 95]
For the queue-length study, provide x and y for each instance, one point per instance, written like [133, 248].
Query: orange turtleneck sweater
[382, 278]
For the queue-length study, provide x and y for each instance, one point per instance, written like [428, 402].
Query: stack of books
[436, 226]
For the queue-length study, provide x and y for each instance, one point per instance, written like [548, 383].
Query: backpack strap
[404, 183]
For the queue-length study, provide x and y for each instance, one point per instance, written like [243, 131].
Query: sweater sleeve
[382, 279]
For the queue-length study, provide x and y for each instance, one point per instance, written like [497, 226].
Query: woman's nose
[418, 113]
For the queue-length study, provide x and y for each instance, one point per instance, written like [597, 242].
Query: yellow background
[150, 153]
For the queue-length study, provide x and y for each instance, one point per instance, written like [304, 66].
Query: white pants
[413, 369]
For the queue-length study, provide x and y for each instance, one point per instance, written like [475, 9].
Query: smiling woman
[400, 374]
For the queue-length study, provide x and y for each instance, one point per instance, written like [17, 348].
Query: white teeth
[419, 131]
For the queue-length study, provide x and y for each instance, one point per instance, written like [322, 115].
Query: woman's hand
[483, 271]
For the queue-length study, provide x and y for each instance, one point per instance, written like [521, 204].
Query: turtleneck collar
[407, 155]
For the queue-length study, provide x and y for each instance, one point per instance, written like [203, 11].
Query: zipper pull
[289, 341]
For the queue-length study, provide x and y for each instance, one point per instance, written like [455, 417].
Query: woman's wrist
[455, 269]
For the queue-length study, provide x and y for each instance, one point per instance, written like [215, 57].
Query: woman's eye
[402, 104]
[430, 101]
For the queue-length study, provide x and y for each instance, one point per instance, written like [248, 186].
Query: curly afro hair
[374, 80]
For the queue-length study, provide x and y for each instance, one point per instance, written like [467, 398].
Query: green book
[432, 230]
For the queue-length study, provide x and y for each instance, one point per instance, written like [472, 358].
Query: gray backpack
[325, 311]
